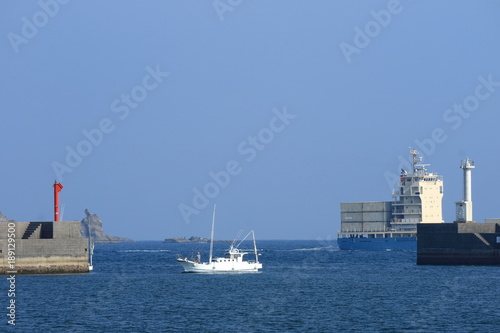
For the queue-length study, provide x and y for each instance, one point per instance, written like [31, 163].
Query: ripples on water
[304, 286]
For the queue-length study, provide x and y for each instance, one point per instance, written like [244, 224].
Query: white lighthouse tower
[464, 207]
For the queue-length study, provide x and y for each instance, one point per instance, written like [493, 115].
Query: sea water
[304, 286]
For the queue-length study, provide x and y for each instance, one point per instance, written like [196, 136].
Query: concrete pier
[43, 247]
[458, 244]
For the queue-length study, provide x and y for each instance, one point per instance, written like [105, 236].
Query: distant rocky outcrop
[192, 239]
[4, 218]
[92, 225]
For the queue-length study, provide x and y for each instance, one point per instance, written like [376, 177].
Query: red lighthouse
[57, 188]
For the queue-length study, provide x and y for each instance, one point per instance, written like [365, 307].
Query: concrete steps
[31, 229]
[481, 238]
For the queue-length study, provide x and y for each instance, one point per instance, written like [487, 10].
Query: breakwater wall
[43, 248]
[458, 244]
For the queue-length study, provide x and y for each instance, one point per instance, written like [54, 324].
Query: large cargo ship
[392, 225]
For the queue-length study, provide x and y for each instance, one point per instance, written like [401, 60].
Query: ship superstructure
[392, 225]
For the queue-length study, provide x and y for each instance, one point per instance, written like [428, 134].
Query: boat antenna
[244, 238]
[254, 244]
[212, 238]
[414, 159]
[238, 235]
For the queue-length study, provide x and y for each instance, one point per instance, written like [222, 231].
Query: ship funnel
[57, 188]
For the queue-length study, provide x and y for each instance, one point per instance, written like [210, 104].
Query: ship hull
[378, 244]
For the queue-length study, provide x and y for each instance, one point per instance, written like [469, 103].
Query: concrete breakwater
[43, 248]
[458, 244]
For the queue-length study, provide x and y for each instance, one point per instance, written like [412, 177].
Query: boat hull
[378, 244]
[217, 267]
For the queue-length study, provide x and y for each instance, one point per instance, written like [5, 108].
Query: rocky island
[192, 239]
[91, 227]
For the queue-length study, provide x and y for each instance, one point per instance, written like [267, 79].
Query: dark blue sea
[304, 286]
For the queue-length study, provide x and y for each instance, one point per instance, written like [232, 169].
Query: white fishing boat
[231, 262]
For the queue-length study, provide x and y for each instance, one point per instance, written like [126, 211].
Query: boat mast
[414, 160]
[212, 237]
[91, 247]
[255, 248]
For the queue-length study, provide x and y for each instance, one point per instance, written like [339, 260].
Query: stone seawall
[43, 248]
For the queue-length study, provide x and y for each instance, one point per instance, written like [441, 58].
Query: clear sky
[150, 112]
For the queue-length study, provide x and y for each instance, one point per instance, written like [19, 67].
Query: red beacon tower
[57, 188]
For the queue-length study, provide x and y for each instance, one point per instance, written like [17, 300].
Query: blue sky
[276, 111]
